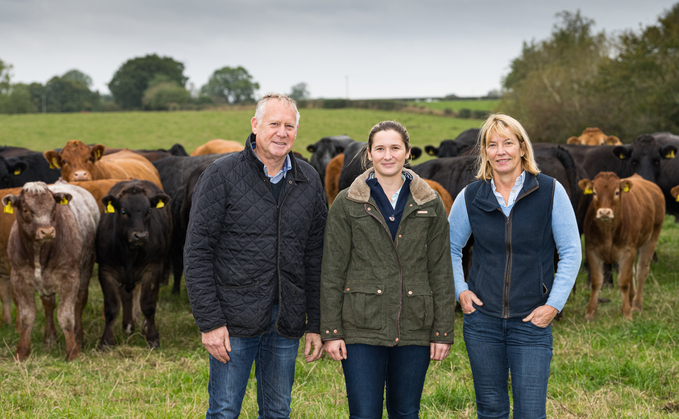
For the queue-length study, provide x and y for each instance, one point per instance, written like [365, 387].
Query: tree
[234, 85]
[64, 95]
[166, 95]
[299, 91]
[133, 77]
[78, 76]
[5, 77]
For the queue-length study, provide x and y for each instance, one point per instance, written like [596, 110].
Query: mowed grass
[456, 105]
[609, 368]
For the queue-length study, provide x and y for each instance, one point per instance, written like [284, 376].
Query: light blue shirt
[512, 195]
[564, 230]
[280, 175]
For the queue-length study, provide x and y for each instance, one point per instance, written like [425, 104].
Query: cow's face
[5, 174]
[36, 210]
[607, 192]
[133, 209]
[323, 151]
[644, 155]
[76, 160]
[448, 148]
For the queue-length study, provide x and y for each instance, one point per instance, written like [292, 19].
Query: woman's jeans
[496, 346]
[274, 357]
[368, 368]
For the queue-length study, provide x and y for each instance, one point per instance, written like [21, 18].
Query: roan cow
[133, 240]
[625, 215]
[594, 136]
[51, 251]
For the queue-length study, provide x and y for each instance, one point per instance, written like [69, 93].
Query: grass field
[609, 368]
[456, 105]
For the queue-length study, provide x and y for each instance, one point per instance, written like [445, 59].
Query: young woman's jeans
[496, 346]
[368, 368]
[274, 357]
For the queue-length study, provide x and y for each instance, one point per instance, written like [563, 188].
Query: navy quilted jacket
[240, 241]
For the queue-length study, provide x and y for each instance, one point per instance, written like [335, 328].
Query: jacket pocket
[362, 306]
[419, 301]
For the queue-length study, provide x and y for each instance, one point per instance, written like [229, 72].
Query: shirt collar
[286, 166]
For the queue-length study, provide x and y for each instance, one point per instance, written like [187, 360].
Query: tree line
[142, 83]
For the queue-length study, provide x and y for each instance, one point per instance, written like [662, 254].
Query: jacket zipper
[278, 249]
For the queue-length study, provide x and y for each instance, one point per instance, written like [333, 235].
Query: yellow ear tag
[677, 198]
[53, 163]
[17, 172]
[98, 154]
[431, 152]
[670, 155]
[109, 208]
[160, 204]
[626, 188]
[622, 156]
[589, 191]
[64, 201]
[8, 208]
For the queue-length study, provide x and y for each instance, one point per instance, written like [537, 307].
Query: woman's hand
[439, 351]
[541, 316]
[336, 349]
[466, 299]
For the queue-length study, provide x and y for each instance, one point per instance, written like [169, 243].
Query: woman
[518, 217]
[387, 294]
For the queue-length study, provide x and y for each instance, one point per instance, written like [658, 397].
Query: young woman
[387, 294]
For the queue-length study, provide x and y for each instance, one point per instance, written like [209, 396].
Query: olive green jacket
[379, 291]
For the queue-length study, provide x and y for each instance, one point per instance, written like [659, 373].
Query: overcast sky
[366, 48]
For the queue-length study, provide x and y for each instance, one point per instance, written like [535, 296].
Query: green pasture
[609, 368]
[456, 105]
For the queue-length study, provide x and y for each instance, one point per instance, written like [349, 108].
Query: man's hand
[466, 299]
[217, 343]
[542, 316]
[439, 351]
[336, 349]
[312, 339]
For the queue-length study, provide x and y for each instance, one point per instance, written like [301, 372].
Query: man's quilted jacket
[239, 241]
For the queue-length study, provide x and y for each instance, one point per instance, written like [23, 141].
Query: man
[253, 262]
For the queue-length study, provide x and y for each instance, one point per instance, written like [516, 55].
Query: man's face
[276, 133]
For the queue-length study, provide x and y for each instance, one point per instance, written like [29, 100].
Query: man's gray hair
[285, 99]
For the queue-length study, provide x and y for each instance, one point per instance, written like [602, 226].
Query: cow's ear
[612, 140]
[97, 151]
[415, 152]
[18, 168]
[9, 202]
[159, 201]
[622, 152]
[625, 185]
[668, 152]
[110, 204]
[53, 158]
[339, 149]
[586, 186]
[63, 198]
[431, 150]
[675, 192]
[573, 140]
[311, 148]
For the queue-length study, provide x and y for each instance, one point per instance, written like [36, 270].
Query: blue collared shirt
[512, 195]
[280, 175]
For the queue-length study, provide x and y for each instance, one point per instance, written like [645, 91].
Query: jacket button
[437, 333]
[411, 205]
[327, 331]
[410, 293]
[334, 331]
[368, 209]
[290, 182]
[445, 334]
[400, 235]
[348, 289]
[379, 291]
[396, 339]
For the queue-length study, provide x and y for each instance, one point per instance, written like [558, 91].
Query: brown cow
[51, 251]
[78, 162]
[98, 188]
[594, 136]
[332, 174]
[443, 193]
[625, 215]
[675, 192]
[217, 147]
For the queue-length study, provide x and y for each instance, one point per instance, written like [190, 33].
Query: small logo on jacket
[423, 212]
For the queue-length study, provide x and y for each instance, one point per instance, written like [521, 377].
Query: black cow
[353, 166]
[325, 149]
[462, 144]
[669, 173]
[133, 240]
[31, 167]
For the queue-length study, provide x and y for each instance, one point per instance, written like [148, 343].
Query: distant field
[456, 105]
[162, 129]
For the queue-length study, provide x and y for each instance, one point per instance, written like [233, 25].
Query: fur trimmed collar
[419, 189]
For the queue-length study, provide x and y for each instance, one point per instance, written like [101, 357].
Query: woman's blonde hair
[504, 125]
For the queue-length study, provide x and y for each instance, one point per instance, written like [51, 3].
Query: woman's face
[504, 154]
[388, 153]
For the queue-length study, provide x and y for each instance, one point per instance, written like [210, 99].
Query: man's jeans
[496, 345]
[368, 368]
[274, 358]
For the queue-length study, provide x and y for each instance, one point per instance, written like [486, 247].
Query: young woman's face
[388, 153]
[504, 154]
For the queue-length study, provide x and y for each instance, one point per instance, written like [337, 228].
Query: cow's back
[124, 165]
[643, 209]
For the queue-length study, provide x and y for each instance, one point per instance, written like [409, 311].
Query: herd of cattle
[128, 211]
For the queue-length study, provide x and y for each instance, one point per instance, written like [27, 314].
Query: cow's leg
[109, 287]
[66, 318]
[127, 298]
[596, 268]
[177, 265]
[646, 253]
[83, 293]
[48, 304]
[6, 297]
[625, 268]
[149, 298]
[26, 306]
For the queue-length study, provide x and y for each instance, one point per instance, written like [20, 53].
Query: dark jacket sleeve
[440, 270]
[313, 255]
[205, 223]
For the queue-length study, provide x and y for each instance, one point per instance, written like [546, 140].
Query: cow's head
[76, 160]
[322, 152]
[133, 208]
[594, 136]
[644, 156]
[36, 210]
[447, 148]
[607, 191]
[9, 169]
